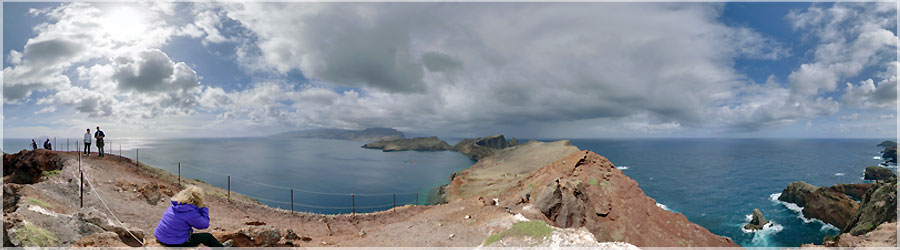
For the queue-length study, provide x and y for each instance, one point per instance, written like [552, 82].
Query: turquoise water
[714, 182]
[718, 182]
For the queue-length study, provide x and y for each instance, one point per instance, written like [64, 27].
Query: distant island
[369, 134]
[475, 148]
[416, 144]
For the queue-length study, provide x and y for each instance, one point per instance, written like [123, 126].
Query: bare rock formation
[822, 203]
[758, 222]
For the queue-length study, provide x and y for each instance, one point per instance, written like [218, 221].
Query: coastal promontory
[414, 144]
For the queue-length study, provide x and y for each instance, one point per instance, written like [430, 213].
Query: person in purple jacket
[186, 212]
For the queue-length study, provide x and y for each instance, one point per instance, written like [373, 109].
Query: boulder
[563, 202]
[821, 203]
[878, 173]
[878, 206]
[27, 166]
[757, 222]
[255, 236]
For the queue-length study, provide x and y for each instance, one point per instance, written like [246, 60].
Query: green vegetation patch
[35, 236]
[52, 172]
[37, 202]
[593, 181]
[535, 229]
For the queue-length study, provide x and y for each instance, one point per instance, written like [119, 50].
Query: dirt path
[138, 195]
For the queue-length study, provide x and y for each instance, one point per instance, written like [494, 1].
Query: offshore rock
[757, 222]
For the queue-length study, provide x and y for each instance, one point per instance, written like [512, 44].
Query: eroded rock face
[878, 206]
[757, 222]
[563, 202]
[856, 190]
[606, 202]
[479, 148]
[822, 203]
[879, 173]
[27, 166]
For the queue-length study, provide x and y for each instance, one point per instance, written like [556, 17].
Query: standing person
[99, 136]
[87, 142]
[47, 144]
[33, 145]
[186, 212]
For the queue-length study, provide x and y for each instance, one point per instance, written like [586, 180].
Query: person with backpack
[87, 142]
[33, 145]
[99, 136]
[47, 145]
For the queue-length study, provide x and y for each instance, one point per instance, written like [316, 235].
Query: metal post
[54, 144]
[67, 144]
[179, 174]
[417, 198]
[353, 207]
[120, 149]
[81, 189]
[137, 156]
[229, 188]
[292, 200]
[395, 200]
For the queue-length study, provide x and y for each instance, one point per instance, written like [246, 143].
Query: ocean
[718, 182]
[714, 182]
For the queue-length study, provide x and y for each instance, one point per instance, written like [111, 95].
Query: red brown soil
[608, 203]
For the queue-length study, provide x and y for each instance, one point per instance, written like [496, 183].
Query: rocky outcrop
[414, 144]
[27, 166]
[586, 189]
[885, 235]
[260, 236]
[563, 202]
[887, 144]
[879, 173]
[369, 134]
[758, 222]
[513, 142]
[878, 206]
[479, 148]
[822, 203]
[855, 190]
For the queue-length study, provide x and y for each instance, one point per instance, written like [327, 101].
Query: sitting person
[175, 227]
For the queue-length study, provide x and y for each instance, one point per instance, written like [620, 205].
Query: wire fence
[334, 202]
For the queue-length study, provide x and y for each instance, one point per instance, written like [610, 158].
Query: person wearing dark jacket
[99, 135]
[186, 212]
[33, 145]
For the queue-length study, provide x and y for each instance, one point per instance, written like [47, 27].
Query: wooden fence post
[292, 200]
[229, 188]
[353, 206]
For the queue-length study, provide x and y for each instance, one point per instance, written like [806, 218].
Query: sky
[530, 70]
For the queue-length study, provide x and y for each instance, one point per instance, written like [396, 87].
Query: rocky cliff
[414, 144]
[579, 189]
[889, 154]
[879, 205]
[878, 173]
[584, 189]
[479, 148]
[822, 203]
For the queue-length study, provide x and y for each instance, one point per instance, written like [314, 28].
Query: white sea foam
[622, 167]
[828, 227]
[838, 174]
[799, 210]
[876, 157]
[664, 207]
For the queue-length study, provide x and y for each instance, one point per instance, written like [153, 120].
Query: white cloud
[495, 64]
[867, 95]
[852, 117]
